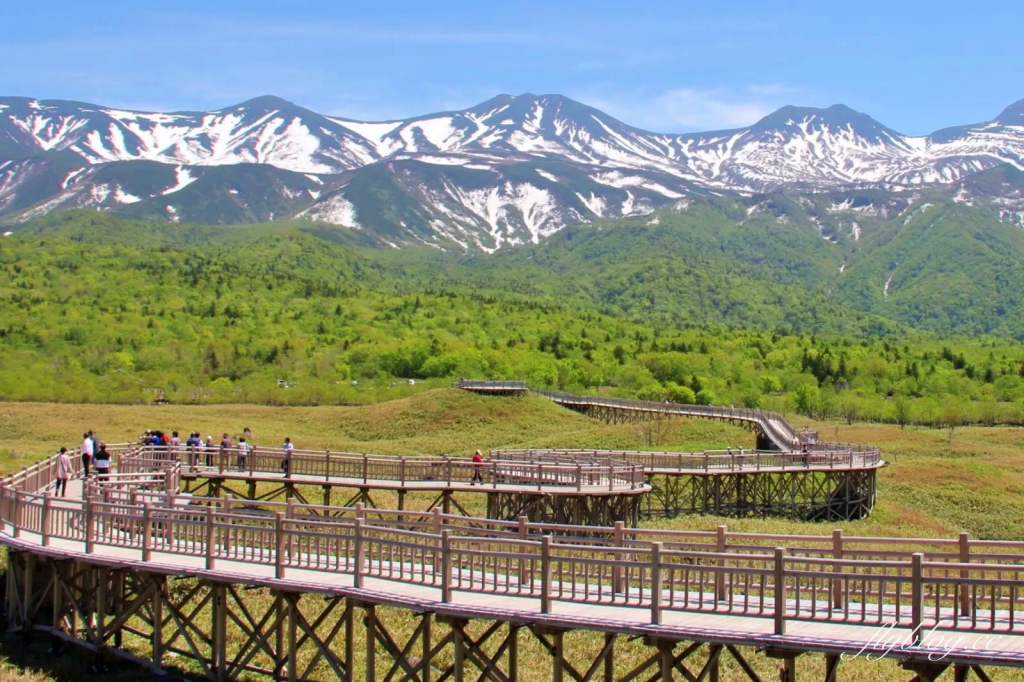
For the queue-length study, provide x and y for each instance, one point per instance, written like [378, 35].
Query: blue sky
[664, 66]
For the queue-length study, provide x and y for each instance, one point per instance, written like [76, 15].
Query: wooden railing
[957, 584]
[773, 424]
[43, 473]
[708, 461]
[606, 476]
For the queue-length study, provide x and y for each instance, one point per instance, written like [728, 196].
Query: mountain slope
[507, 172]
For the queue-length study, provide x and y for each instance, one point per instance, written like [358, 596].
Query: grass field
[938, 483]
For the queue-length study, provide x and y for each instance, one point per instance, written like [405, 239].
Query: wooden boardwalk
[772, 427]
[86, 570]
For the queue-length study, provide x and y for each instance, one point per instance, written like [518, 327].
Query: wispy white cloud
[686, 109]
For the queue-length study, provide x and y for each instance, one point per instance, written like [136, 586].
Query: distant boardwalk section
[790, 473]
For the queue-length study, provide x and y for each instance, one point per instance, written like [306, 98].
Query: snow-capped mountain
[510, 170]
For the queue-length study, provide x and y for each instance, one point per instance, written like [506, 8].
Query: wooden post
[327, 463]
[371, 643]
[360, 554]
[558, 656]
[147, 532]
[609, 657]
[666, 660]
[90, 527]
[657, 583]
[446, 566]
[350, 638]
[16, 516]
[837, 583]
[618, 574]
[156, 606]
[965, 574]
[292, 604]
[917, 596]
[540, 475]
[102, 607]
[524, 534]
[279, 552]
[211, 540]
[579, 478]
[437, 520]
[218, 643]
[721, 540]
[545, 574]
[44, 520]
[459, 645]
[428, 645]
[780, 590]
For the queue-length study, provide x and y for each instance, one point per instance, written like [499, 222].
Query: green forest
[103, 310]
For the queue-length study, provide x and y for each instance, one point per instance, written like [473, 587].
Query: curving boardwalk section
[89, 571]
[771, 425]
[791, 474]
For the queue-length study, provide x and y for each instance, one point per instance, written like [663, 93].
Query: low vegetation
[97, 310]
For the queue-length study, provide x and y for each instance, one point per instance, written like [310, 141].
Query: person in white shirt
[63, 472]
[87, 453]
[243, 451]
[286, 463]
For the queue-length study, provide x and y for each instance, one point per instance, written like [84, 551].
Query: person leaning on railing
[286, 461]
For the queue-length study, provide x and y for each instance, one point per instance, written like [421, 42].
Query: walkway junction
[790, 474]
[132, 566]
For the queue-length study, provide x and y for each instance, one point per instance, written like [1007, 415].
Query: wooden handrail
[752, 574]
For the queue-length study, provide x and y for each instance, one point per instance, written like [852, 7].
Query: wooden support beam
[371, 643]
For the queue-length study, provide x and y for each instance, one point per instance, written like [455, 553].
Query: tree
[806, 397]
[952, 418]
[901, 410]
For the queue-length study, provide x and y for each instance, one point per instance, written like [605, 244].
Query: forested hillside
[97, 309]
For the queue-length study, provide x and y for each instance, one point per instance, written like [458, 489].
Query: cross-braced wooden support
[582, 510]
[232, 631]
[839, 495]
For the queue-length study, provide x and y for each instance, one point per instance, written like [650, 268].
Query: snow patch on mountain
[620, 180]
[335, 210]
[182, 178]
[70, 177]
[123, 197]
[595, 204]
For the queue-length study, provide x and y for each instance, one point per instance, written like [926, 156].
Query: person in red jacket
[478, 464]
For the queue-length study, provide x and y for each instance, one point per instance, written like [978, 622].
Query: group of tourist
[202, 451]
[96, 457]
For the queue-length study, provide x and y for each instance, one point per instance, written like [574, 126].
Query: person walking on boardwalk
[243, 452]
[286, 462]
[478, 464]
[87, 452]
[193, 444]
[63, 472]
[102, 462]
[208, 448]
[225, 448]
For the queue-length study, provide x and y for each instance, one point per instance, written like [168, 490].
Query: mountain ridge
[508, 171]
